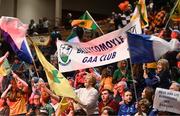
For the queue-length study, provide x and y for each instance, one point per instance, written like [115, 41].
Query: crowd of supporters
[115, 89]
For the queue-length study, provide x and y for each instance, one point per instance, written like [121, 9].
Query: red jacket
[112, 103]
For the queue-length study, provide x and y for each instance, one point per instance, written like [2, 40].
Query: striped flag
[149, 48]
[140, 11]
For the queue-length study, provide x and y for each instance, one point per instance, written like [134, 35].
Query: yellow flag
[4, 68]
[140, 11]
[62, 106]
[82, 23]
[58, 83]
[2, 71]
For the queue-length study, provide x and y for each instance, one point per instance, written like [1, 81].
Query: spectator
[151, 80]
[55, 34]
[79, 79]
[143, 107]
[122, 72]
[175, 86]
[119, 90]
[32, 27]
[108, 111]
[16, 95]
[175, 34]
[4, 108]
[40, 27]
[34, 106]
[107, 100]
[127, 107]
[106, 80]
[125, 16]
[46, 108]
[163, 73]
[148, 93]
[88, 95]
[45, 25]
[67, 21]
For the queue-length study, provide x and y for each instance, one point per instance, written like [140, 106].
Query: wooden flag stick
[132, 75]
[95, 22]
[33, 58]
[171, 13]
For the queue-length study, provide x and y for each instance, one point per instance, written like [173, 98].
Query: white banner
[167, 100]
[106, 49]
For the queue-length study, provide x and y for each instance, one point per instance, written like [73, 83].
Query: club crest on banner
[109, 48]
[65, 50]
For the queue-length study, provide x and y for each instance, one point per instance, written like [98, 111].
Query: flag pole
[95, 22]
[132, 74]
[33, 58]
[171, 13]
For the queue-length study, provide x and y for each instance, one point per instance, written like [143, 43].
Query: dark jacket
[164, 79]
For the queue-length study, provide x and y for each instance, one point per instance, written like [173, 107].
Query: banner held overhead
[106, 49]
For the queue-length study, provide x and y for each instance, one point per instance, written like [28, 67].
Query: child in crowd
[148, 93]
[108, 111]
[127, 107]
[143, 107]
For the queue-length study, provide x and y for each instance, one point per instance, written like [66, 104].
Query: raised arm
[25, 85]
[4, 94]
[50, 92]
[3, 57]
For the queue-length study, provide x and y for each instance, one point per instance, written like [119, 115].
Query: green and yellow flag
[57, 82]
[85, 21]
[62, 106]
[140, 11]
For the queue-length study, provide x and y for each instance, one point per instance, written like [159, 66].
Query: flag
[140, 11]
[62, 106]
[145, 48]
[82, 23]
[14, 33]
[85, 21]
[5, 68]
[57, 82]
[73, 37]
